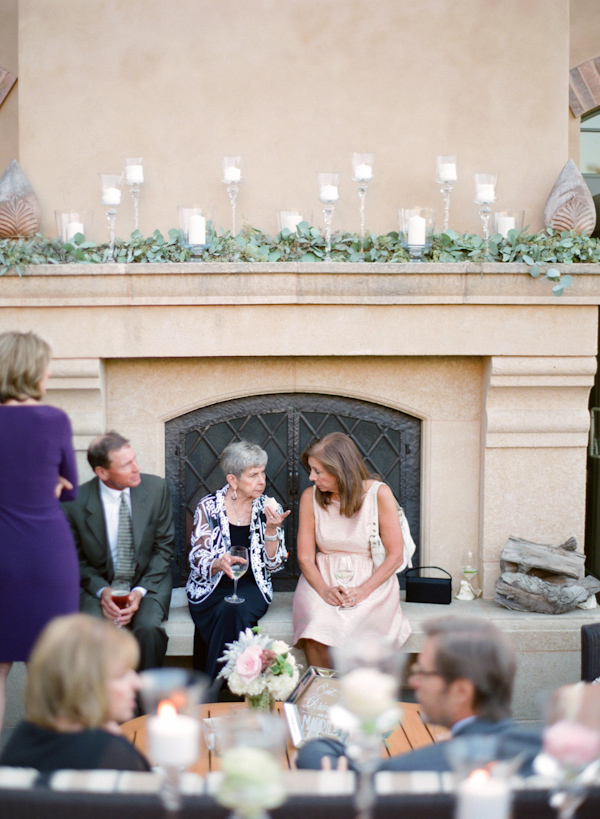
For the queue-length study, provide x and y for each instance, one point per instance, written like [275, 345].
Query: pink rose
[571, 743]
[249, 664]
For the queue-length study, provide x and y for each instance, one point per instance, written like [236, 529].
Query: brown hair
[99, 450]
[340, 456]
[24, 358]
[69, 670]
[474, 649]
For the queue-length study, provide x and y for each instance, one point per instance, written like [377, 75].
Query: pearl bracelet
[271, 537]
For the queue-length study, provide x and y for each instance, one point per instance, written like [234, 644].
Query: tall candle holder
[362, 174]
[416, 230]
[232, 176]
[192, 226]
[446, 177]
[328, 195]
[171, 697]
[134, 176]
[485, 195]
[111, 199]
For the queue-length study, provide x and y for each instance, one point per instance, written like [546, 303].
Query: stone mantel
[234, 283]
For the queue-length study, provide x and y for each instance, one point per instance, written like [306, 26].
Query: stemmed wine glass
[344, 574]
[468, 565]
[238, 569]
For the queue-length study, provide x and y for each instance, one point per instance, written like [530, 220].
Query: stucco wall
[9, 58]
[294, 87]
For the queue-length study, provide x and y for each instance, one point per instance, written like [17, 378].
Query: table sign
[307, 707]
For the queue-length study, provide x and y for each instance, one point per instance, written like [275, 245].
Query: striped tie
[126, 561]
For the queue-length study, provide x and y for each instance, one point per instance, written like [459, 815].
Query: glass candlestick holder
[505, 220]
[446, 176]
[134, 176]
[232, 176]
[328, 195]
[71, 222]
[362, 174]
[485, 195]
[192, 227]
[416, 230]
[111, 199]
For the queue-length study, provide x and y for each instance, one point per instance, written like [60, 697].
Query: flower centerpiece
[251, 783]
[259, 668]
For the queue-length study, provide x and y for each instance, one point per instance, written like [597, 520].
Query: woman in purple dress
[39, 571]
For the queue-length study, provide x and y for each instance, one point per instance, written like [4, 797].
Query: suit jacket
[512, 740]
[153, 537]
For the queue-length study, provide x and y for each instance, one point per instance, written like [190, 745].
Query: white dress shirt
[111, 504]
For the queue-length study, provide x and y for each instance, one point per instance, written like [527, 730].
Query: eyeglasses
[416, 671]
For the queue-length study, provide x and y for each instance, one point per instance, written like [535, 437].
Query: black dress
[31, 746]
[218, 622]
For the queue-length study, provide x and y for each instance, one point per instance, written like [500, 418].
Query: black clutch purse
[428, 589]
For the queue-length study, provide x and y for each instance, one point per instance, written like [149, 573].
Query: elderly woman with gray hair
[238, 515]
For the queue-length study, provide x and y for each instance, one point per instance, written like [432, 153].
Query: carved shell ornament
[570, 205]
[20, 212]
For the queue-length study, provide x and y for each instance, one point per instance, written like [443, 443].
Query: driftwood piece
[524, 556]
[570, 205]
[20, 212]
[523, 592]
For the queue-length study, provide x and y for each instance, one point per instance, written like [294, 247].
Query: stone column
[77, 387]
[535, 423]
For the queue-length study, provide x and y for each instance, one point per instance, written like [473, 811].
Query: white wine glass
[344, 574]
[468, 565]
[238, 569]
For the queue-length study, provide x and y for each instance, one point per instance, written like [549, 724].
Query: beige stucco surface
[9, 59]
[294, 87]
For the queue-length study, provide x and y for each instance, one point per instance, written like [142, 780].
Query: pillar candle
[504, 224]
[111, 196]
[173, 739]
[485, 193]
[329, 193]
[73, 228]
[416, 230]
[134, 174]
[362, 173]
[197, 229]
[482, 795]
[232, 174]
[447, 172]
[290, 220]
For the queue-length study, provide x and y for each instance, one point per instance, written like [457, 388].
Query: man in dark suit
[123, 526]
[464, 681]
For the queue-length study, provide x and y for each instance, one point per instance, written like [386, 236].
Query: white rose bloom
[279, 647]
[282, 686]
[367, 693]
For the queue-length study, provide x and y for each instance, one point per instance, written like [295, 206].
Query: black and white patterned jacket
[211, 539]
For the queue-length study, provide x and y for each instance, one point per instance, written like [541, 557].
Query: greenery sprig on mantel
[540, 251]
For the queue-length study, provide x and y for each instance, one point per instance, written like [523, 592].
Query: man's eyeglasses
[416, 671]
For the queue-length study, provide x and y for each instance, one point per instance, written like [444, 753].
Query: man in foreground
[123, 526]
[464, 681]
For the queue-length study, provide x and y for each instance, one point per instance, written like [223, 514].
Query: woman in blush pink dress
[335, 523]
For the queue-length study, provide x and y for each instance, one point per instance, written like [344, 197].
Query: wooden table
[413, 732]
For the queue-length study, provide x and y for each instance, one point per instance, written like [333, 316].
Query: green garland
[308, 245]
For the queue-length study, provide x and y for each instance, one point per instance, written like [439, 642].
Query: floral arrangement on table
[251, 783]
[259, 668]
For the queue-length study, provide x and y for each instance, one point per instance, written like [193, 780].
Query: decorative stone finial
[20, 212]
[570, 205]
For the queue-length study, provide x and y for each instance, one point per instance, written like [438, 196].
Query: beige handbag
[377, 547]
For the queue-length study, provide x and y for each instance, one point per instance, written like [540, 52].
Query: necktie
[126, 561]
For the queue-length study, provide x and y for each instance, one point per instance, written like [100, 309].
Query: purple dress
[39, 570]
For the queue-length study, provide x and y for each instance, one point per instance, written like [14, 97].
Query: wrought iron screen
[284, 425]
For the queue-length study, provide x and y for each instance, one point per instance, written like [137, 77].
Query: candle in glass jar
[447, 172]
[485, 192]
[134, 174]
[173, 738]
[232, 174]
[111, 196]
[290, 220]
[482, 795]
[329, 193]
[504, 224]
[197, 229]
[416, 230]
[73, 228]
[362, 173]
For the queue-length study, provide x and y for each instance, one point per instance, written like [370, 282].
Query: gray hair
[474, 649]
[240, 456]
